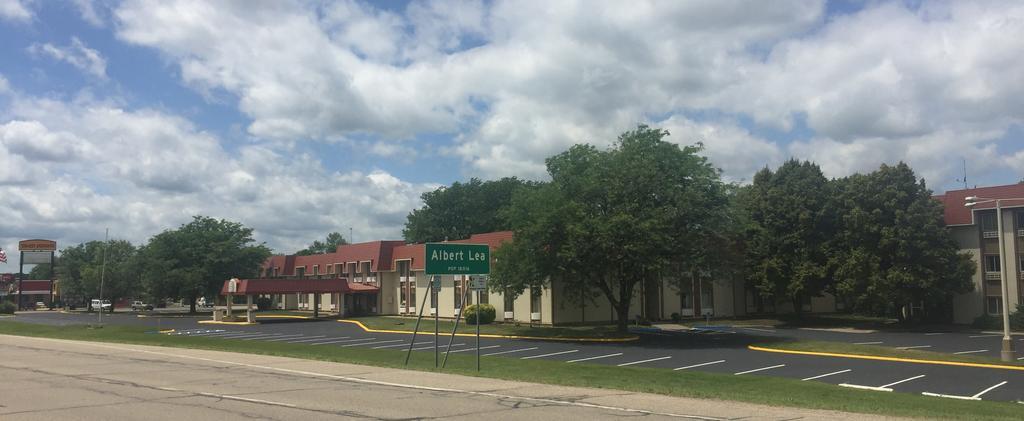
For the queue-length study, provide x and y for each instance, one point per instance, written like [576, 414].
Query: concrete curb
[891, 359]
[487, 335]
[214, 322]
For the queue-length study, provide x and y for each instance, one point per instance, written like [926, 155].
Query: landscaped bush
[486, 312]
[986, 321]
[676, 317]
[1017, 318]
[264, 303]
[7, 307]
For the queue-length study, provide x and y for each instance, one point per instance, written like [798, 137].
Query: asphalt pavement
[719, 350]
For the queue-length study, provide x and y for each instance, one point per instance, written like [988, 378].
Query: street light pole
[1007, 351]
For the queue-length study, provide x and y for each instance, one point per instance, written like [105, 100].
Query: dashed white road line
[827, 374]
[239, 398]
[759, 369]
[344, 340]
[914, 347]
[509, 352]
[971, 352]
[759, 329]
[549, 355]
[699, 365]
[984, 336]
[867, 343]
[595, 358]
[643, 361]
[934, 333]
[374, 343]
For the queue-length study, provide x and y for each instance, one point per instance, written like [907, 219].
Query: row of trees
[647, 209]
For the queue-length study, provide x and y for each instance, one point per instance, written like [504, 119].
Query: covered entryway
[251, 288]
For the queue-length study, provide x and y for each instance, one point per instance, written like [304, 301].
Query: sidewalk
[610, 402]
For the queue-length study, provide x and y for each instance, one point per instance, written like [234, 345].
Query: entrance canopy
[288, 286]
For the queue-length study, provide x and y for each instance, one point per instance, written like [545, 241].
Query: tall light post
[1007, 352]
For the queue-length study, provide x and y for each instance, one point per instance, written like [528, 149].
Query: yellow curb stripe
[488, 335]
[282, 316]
[168, 331]
[893, 359]
[226, 323]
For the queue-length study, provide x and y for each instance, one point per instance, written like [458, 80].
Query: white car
[96, 304]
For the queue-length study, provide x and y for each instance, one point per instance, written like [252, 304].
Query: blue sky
[301, 118]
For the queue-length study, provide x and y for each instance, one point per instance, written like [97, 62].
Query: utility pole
[103, 274]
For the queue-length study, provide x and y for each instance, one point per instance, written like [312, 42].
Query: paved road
[721, 351]
[47, 379]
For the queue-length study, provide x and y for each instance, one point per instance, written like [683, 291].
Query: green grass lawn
[427, 325]
[881, 351]
[753, 389]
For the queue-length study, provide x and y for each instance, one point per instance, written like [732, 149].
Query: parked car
[141, 306]
[40, 305]
[95, 304]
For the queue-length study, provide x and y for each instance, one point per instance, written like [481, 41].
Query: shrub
[1017, 318]
[676, 317]
[486, 312]
[986, 321]
[264, 303]
[7, 307]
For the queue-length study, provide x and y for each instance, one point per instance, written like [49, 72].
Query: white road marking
[249, 335]
[244, 334]
[975, 397]
[758, 329]
[859, 386]
[759, 369]
[473, 349]
[341, 341]
[509, 352]
[579, 404]
[294, 340]
[595, 358]
[318, 338]
[239, 398]
[914, 347]
[826, 375]
[700, 365]
[867, 343]
[644, 361]
[971, 352]
[984, 336]
[901, 381]
[549, 355]
[277, 337]
[432, 346]
[934, 333]
[398, 345]
[374, 343]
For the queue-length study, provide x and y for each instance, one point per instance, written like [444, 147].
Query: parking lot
[713, 350]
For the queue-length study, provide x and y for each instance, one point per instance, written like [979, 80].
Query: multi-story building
[976, 231]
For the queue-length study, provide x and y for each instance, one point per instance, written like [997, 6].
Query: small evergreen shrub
[986, 321]
[486, 313]
[7, 307]
[264, 303]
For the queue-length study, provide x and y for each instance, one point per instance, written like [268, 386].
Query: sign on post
[435, 283]
[457, 259]
[478, 283]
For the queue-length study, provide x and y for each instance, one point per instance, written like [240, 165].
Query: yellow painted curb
[893, 359]
[283, 316]
[167, 331]
[487, 335]
[214, 322]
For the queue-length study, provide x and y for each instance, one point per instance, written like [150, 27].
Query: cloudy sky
[301, 118]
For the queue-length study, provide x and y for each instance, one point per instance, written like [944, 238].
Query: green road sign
[458, 259]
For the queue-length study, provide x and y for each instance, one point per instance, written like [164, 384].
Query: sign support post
[458, 259]
[435, 287]
[414, 330]
[477, 330]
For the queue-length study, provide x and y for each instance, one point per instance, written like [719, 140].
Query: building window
[330, 269]
[535, 300]
[458, 291]
[994, 305]
[510, 300]
[412, 293]
[991, 263]
[316, 270]
[484, 299]
[300, 271]
[402, 299]
[988, 221]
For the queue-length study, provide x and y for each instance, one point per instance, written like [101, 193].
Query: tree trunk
[622, 317]
[192, 303]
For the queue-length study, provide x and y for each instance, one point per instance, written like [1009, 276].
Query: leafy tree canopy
[463, 209]
[81, 269]
[329, 245]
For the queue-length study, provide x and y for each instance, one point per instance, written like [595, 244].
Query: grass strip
[882, 351]
[507, 329]
[694, 384]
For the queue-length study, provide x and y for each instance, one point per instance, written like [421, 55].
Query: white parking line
[971, 352]
[595, 358]
[432, 346]
[975, 397]
[345, 340]
[549, 355]
[914, 347]
[758, 329]
[240, 334]
[317, 339]
[289, 340]
[883, 388]
[985, 336]
[473, 349]
[826, 375]
[699, 365]
[934, 333]
[867, 343]
[759, 369]
[249, 335]
[509, 352]
[398, 345]
[276, 337]
[374, 343]
[901, 381]
[644, 361]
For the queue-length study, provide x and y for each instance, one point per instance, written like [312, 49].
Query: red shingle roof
[956, 213]
[286, 286]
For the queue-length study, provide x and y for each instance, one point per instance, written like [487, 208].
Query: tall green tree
[194, 260]
[82, 270]
[462, 209]
[329, 245]
[791, 225]
[893, 249]
[611, 219]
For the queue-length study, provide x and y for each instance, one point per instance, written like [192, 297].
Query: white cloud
[15, 10]
[77, 54]
[87, 9]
